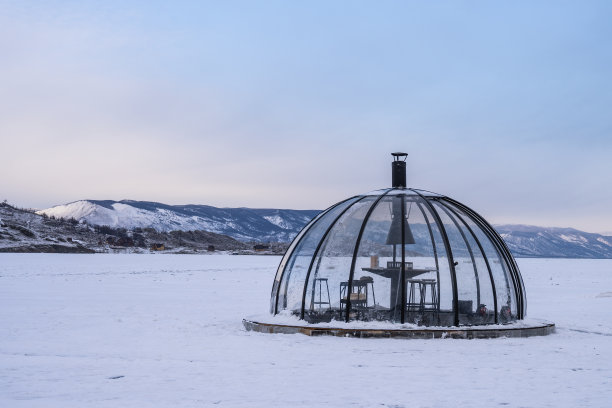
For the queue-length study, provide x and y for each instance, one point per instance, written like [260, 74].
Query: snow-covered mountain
[21, 230]
[532, 241]
[245, 224]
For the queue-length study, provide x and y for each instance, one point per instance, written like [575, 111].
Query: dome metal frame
[425, 201]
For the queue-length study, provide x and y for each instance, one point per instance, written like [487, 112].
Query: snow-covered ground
[165, 331]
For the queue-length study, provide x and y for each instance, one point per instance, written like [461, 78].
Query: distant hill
[532, 241]
[281, 225]
[24, 231]
[244, 224]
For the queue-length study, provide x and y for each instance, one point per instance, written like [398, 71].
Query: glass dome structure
[400, 255]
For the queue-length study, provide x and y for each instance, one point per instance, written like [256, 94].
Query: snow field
[158, 330]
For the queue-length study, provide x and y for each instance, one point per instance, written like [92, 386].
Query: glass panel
[468, 284]
[328, 282]
[281, 267]
[506, 303]
[512, 271]
[524, 297]
[427, 253]
[292, 285]
[426, 193]
[506, 296]
[377, 273]
[393, 192]
[485, 305]
[504, 314]
[375, 287]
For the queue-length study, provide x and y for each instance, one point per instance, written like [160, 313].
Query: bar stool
[432, 304]
[321, 301]
[412, 304]
[420, 286]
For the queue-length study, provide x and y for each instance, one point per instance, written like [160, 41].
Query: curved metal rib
[435, 250]
[316, 252]
[517, 282]
[484, 255]
[354, 260]
[298, 238]
[449, 255]
[469, 248]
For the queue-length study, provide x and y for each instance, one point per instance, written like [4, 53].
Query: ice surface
[165, 331]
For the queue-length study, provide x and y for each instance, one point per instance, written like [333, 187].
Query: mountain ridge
[281, 225]
[22, 230]
[242, 223]
[555, 242]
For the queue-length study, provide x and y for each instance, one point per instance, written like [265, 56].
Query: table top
[394, 272]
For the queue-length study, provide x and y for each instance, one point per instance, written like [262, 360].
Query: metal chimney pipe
[398, 170]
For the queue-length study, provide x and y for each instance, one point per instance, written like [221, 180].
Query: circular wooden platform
[474, 332]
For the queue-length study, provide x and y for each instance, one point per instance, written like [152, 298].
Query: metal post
[403, 269]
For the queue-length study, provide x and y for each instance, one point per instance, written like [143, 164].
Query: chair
[359, 295]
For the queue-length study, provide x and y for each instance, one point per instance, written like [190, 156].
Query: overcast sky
[505, 106]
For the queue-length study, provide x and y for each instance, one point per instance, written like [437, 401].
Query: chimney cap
[397, 156]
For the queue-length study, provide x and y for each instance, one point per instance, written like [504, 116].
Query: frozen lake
[165, 331]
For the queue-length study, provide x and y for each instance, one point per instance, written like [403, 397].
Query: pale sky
[505, 106]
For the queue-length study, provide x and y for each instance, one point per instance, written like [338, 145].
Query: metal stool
[314, 291]
[421, 286]
[412, 304]
[432, 304]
